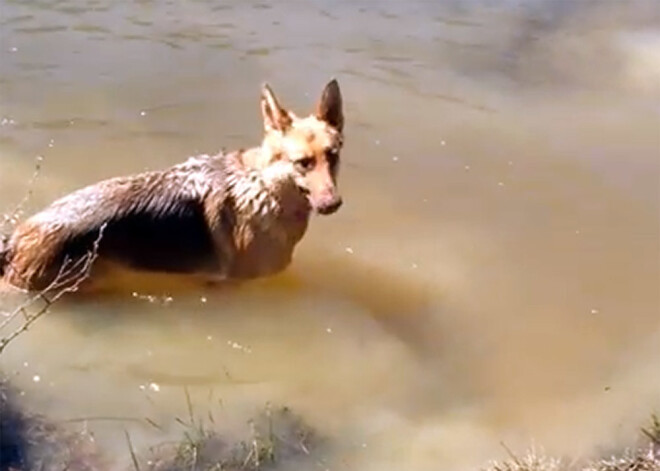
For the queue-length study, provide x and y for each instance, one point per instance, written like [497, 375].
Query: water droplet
[143, 113]
[349, 250]
[395, 158]
[442, 143]
[467, 168]
[238, 346]
[36, 378]
[203, 299]
[500, 183]
[154, 387]
[14, 49]
[594, 311]
[328, 330]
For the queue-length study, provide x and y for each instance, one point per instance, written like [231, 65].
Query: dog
[232, 216]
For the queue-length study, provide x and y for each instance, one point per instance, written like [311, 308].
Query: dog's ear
[275, 117]
[329, 107]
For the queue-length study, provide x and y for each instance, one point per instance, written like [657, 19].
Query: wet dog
[232, 216]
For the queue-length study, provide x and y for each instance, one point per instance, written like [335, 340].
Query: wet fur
[234, 215]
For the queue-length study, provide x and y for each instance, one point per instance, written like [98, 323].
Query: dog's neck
[257, 158]
[264, 189]
[272, 214]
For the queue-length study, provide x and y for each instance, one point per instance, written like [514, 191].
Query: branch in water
[68, 280]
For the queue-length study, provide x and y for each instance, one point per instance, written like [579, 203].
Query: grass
[274, 439]
[646, 457]
[532, 460]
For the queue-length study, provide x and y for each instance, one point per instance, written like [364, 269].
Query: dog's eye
[305, 164]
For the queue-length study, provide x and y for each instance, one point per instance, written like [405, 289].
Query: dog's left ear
[276, 118]
[329, 107]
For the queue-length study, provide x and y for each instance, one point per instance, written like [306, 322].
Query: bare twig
[153, 424]
[11, 218]
[71, 274]
[104, 419]
[653, 431]
[191, 414]
[132, 451]
[511, 454]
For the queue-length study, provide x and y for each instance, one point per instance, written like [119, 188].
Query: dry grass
[646, 457]
[274, 439]
[532, 460]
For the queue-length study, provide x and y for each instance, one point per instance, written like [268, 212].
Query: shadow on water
[400, 304]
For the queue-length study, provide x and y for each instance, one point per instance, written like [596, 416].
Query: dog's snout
[330, 206]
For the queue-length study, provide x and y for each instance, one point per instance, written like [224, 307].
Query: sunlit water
[492, 277]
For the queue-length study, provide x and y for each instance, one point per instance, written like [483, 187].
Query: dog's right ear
[275, 117]
[329, 107]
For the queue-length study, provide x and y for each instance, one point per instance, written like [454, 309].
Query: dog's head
[308, 147]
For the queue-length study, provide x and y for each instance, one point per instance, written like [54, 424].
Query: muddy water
[492, 277]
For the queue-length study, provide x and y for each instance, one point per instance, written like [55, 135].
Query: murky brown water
[493, 276]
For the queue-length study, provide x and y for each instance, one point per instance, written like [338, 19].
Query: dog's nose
[330, 207]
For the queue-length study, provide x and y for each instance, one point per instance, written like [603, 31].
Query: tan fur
[229, 216]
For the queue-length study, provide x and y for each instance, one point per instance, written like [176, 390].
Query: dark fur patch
[176, 239]
[4, 253]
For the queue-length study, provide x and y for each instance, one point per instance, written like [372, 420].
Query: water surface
[492, 277]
